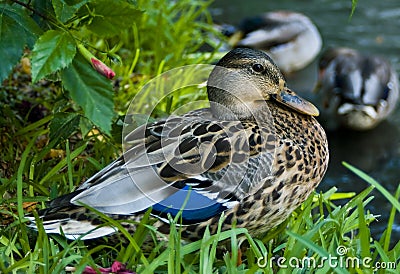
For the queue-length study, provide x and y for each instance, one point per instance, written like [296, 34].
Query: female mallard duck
[256, 154]
[290, 38]
[359, 90]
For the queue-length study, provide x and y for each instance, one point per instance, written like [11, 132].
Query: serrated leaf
[65, 10]
[91, 91]
[45, 7]
[11, 46]
[112, 17]
[53, 50]
[22, 18]
[63, 125]
[17, 30]
[85, 125]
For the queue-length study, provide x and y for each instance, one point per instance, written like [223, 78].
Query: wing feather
[163, 156]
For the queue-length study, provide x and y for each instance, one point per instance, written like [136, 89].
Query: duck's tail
[70, 220]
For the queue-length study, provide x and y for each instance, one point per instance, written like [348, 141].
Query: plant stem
[27, 6]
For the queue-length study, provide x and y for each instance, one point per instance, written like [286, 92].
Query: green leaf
[85, 125]
[19, 15]
[63, 125]
[65, 10]
[54, 50]
[112, 17]
[17, 30]
[11, 45]
[91, 91]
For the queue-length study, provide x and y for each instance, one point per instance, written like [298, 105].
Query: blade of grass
[374, 183]
[317, 249]
[192, 247]
[139, 237]
[10, 245]
[353, 7]
[214, 246]
[69, 166]
[62, 163]
[172, 246]
[394, 254]
[205, 260]
[389, 228]
[87, 260]
[363, 232]
[232, 260]
[34, 126]
[382, 253]
[20, 183]
[117, 225]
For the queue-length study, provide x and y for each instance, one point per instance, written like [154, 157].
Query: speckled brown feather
[300, 162]
[264, 155]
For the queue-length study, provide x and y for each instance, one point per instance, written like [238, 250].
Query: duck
[254, 155]
[290, 38]
[358, 91]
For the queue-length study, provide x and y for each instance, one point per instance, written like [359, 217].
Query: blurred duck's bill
[347, 108]
[297, 103]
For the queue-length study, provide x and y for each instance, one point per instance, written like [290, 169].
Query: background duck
[358, 90]
[256, 154]
[290, 38]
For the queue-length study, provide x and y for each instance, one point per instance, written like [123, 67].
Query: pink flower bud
[102, 68]
[96, 63]
[117, 267]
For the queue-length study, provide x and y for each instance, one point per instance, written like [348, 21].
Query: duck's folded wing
[272, 36]
[126, 191]
[216, 158]
[379, 81]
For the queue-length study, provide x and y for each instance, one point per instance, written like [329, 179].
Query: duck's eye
[258, 67]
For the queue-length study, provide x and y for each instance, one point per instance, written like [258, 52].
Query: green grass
[314, 231]
[35, 168]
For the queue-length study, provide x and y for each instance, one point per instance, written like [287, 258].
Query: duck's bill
[317, 87]
[292, 100]
[235, 38]
[348, 108]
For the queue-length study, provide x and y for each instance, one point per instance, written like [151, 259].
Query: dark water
[374, 28]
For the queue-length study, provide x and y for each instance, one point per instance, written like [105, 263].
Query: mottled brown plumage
[256, 154]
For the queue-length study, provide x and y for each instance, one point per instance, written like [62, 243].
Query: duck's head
[333, 60]
[244, 80]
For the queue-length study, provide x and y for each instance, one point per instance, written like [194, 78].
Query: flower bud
[102, 68]
[98, 65]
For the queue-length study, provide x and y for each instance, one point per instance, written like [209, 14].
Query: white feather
[73, 229]
[131, 192]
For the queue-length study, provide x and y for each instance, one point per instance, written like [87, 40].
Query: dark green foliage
[52, 30]
[17, 29]
[110, 18]
[91, 91]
